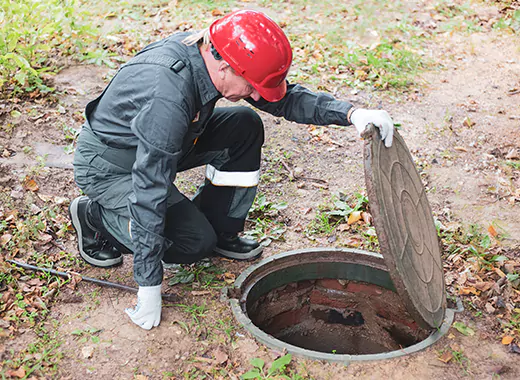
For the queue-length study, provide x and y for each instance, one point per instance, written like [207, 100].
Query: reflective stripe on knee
[240, 179]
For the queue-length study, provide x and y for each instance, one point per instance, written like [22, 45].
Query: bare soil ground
[459, 126]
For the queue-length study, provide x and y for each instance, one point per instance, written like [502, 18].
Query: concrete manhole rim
[277, 344]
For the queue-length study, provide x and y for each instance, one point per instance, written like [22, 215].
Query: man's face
[235, 87]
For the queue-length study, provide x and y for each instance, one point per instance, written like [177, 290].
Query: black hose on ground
[165, 296]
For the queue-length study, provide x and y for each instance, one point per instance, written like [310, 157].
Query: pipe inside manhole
[328, 304]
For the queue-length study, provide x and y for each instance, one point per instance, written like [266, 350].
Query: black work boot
[93, 247]
[234, 247]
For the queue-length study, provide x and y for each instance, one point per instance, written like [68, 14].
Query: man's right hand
[147, 312]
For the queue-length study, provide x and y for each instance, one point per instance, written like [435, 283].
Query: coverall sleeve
[303, 106]
[160, 127]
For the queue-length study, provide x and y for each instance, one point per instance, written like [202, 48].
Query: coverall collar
[207, 90]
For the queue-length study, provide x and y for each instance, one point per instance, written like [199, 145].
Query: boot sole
[251, 255]
[73, 213]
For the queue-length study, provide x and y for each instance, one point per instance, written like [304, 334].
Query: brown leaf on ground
[343, 227]
[507, 340]
[30, 184]
[354, 217]
[492, 231]
[445, 357]
[220, 356]
[6, 238]
[468, 290]
[19, 373]
[367, 217]
[483, 286]
[353, 242]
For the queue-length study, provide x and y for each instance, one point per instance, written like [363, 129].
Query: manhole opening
[336, 316]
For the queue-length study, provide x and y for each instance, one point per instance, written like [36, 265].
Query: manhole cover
[405, 228]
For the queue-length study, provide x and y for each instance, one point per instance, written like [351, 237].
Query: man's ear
[223, 68]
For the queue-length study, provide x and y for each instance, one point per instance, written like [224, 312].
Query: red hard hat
[256, 48]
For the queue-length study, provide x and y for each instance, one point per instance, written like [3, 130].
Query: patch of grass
[388, 64]
[195, 311]
[279, 369]
[203, 274]
[31, 33]
[87, 335]
[514, 164]
[322, 224]
[263, 226]
[40, 358]
[328, 217]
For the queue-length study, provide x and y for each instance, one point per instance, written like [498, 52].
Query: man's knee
[192, 235]
[191, 250]
[250, 127]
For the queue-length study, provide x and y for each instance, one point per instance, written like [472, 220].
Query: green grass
[31, 34]
[40, 358]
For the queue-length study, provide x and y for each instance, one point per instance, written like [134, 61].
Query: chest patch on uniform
[196, 117]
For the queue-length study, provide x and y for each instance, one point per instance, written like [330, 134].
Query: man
[157, 117]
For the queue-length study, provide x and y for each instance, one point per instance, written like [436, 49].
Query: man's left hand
[381, 119]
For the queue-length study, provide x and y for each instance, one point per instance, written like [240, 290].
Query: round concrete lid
[405, 228]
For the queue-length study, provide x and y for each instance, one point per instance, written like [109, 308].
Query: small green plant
[329, 216]
[514, 164]
[88, 334]
[262, 208]
[196, 311]
[71, 134]
[276, 370]
[204, 274]
[264, 228]
[345, 206]
[461, 359]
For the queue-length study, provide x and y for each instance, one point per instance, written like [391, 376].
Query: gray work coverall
[147, 125]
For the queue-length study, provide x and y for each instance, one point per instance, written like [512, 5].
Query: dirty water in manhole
[330, 304]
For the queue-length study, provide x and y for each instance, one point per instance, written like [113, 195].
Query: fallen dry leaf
[483, 286]
[220, 356]
[445, 357]
[460, 148]
[354, 217]
[141, 377]
[200, 292]
[499, 272]
[507, 340]
[343, 227]
[217, 12]
[19, 373]
[6, 238]
[468, 290]
[367, 218]
[492, 231]
[30, 184]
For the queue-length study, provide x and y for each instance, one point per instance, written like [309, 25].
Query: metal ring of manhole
[405, 228]
[333, 304]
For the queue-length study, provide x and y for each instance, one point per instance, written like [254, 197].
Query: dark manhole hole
[337, 316]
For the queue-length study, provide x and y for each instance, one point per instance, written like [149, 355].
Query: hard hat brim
[272, 94]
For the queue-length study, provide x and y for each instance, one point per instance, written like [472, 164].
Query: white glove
[147, 312]
[381, 119]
